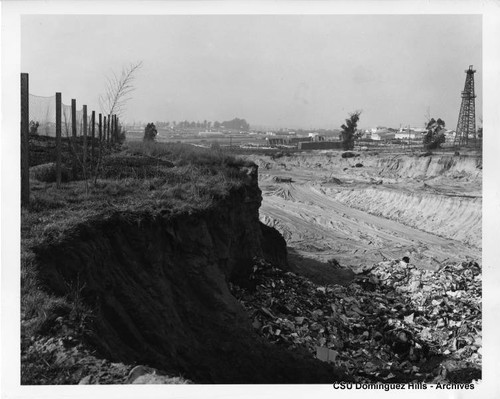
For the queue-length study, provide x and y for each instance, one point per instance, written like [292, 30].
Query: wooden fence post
[109, 126]
[112, 129]
[25, 141]
[58, 140]
[117, 124]
[101, 136]
[73, 135]
[104, 138]
[100, 128]
[84, 136]
[92, 155]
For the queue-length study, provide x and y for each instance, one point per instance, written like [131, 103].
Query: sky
[297, 71]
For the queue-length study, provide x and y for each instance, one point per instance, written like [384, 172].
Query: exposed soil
[425, 208]
[157, 289]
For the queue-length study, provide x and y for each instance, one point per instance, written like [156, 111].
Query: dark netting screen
[42, 116]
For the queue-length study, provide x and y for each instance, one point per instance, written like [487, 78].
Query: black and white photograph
[226, 196]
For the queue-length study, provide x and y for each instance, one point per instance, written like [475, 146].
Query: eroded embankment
[431, 166]
[157, 285]
[457, 218]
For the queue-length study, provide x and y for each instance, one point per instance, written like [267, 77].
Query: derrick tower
[466, 126]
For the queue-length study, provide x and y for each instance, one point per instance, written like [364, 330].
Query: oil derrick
[466, 126]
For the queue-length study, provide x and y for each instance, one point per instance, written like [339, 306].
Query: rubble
[393, 323]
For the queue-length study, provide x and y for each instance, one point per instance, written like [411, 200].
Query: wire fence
[86, 135]
[42, 116]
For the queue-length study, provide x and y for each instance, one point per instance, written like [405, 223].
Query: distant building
[407, 135]
[323, 145]
[211, 134]
[382, 135]
[450, 135]
[279, 133]
[315, 136]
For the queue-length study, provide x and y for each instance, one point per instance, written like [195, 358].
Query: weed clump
[47, 173]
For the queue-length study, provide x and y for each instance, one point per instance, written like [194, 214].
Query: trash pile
[393, 323]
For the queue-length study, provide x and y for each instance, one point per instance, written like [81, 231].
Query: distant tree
[150, 132]
[237, 124]
[216, 124]
[349, 131]
[34, 127]
[435, 134]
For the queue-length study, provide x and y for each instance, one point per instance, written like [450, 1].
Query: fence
[48, 116]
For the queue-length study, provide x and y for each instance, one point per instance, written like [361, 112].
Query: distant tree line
[234, 124]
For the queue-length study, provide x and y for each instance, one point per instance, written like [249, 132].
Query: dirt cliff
[158, 287]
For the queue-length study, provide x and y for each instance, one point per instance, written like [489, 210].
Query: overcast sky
[273, 70]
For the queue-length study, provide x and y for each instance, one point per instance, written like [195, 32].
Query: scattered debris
[395, 322]
[278, 179]
[349, 154]
[333, 180]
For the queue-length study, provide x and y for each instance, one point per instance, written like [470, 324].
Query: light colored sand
[426, 208]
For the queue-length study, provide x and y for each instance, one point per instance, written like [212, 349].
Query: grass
[145, 177]
[185, 154]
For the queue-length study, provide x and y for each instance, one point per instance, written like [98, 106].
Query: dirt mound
[47, 173]
[428, 167]
[158, 289]
[119, 166]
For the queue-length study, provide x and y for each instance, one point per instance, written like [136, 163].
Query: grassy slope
[139, 178]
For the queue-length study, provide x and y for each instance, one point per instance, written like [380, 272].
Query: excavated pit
[158, 289]
[427, 208]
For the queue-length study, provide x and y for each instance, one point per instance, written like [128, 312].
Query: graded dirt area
[373, 207]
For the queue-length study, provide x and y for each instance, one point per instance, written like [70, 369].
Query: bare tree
[113, 101]
[118, 89]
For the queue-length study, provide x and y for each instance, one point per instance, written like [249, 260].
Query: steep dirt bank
[431, 166]
[157, 285]
[457, 218]
[393, 167]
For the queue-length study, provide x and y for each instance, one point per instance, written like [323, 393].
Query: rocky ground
[393, 323]
[376, 316]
